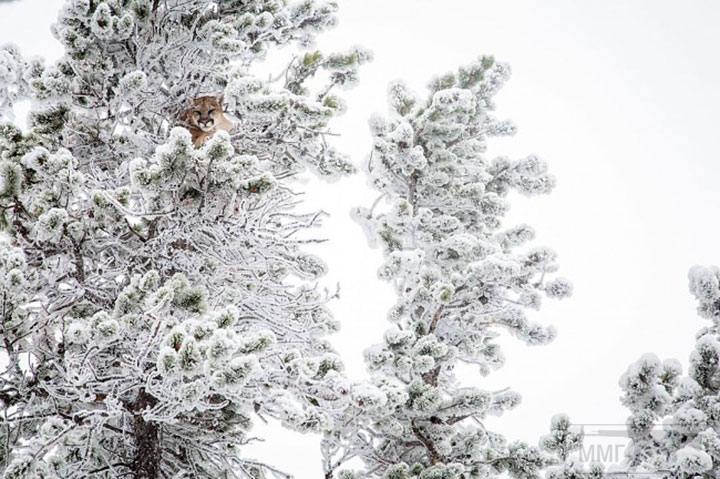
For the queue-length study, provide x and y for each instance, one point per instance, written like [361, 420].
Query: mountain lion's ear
[221, 99]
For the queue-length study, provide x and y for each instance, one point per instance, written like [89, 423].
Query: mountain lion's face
[204, 113]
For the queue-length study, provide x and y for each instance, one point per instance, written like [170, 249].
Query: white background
[620, 97]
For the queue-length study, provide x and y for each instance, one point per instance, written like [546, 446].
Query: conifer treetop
[461, 277]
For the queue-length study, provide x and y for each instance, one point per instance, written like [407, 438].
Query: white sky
[621, 98]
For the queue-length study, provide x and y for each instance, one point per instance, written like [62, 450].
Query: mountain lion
[204, 118]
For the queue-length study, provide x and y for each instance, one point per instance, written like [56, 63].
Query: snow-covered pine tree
[154, 296]
[461, 279]
[674, 425]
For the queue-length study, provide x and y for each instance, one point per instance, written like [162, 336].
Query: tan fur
[204, 118]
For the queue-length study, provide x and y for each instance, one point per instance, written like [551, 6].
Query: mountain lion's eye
[197, 113]
[211, 111]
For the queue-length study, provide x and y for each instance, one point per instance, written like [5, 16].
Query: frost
[692, 461]
[12, 84]
[672, 416]
[460, 279]
[704, 284]
[50, 225]
[558, 288]
[368, 397]
[133, 83]
[10, 179]
[157, 297]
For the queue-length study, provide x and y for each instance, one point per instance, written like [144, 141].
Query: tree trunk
[146, 463]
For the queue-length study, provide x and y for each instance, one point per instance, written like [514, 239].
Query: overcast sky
[621, 98]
